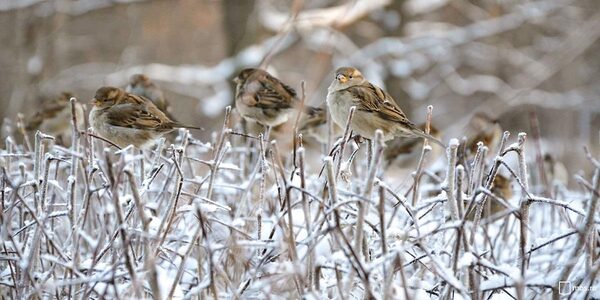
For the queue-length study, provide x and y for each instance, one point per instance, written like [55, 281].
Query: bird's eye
[350, 76]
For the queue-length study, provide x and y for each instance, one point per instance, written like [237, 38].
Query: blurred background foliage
[508, 58]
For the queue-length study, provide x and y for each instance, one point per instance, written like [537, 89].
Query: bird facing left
[263, 98]
[128, 119]
[375, 109]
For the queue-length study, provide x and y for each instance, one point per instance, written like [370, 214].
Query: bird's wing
[151, 92]
[138, 116]
[268, 93]
[370, 98]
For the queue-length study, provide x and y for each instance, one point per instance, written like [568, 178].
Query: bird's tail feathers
[424, 135]
[190, 127]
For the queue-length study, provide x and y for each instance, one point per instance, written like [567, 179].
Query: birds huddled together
[140, 114]
[266, 100]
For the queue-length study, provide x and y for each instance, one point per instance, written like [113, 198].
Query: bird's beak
[341, 78]
[236, 80]
[95, 102]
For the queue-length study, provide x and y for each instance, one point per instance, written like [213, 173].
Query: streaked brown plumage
[375, 109]
[141, 85]
[126, 119]
[502, 188]
[53, 116]
[483, 128]
[263, 98]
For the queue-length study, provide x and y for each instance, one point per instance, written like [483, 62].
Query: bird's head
[107, 96]
[245, 74]
[347, 77]
[140, 80]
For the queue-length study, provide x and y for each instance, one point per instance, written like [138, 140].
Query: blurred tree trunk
[19, 78]
[238, 31]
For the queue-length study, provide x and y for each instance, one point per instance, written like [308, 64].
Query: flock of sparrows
[265, 99]
[139, 114]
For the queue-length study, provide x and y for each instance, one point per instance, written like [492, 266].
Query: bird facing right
[375, 109]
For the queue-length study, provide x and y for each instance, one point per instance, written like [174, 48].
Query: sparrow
[54, 116]
[128, 119]
[314, 124]
[141, 85]
[483, 128]
[502, 188]
[375, 109]
[556, 172]
[263, 98]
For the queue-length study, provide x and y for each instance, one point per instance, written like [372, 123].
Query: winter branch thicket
[212, 219]
[237, 213]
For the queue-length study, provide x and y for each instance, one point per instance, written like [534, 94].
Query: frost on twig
[199, 226]
[338, 16]
[223, 218]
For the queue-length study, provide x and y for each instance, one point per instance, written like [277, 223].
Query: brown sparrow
[314, 124]
[263, 98]
[128, 119]
[501, 188]
[375, 109]
[556, 172]
[483, 128]
[141, 85]
[54, 116]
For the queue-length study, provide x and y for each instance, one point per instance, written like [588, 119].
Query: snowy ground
[210, 219]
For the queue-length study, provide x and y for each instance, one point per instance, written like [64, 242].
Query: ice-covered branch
[337, 16]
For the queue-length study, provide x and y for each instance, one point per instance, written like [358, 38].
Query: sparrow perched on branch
[483, 128]
[128, 119]
[375, 109]
[141, 85]
[556, 172]
[502, 188]
[54, 116]
[264, 98]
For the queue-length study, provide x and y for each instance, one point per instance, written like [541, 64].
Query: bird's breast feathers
[339, 103]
